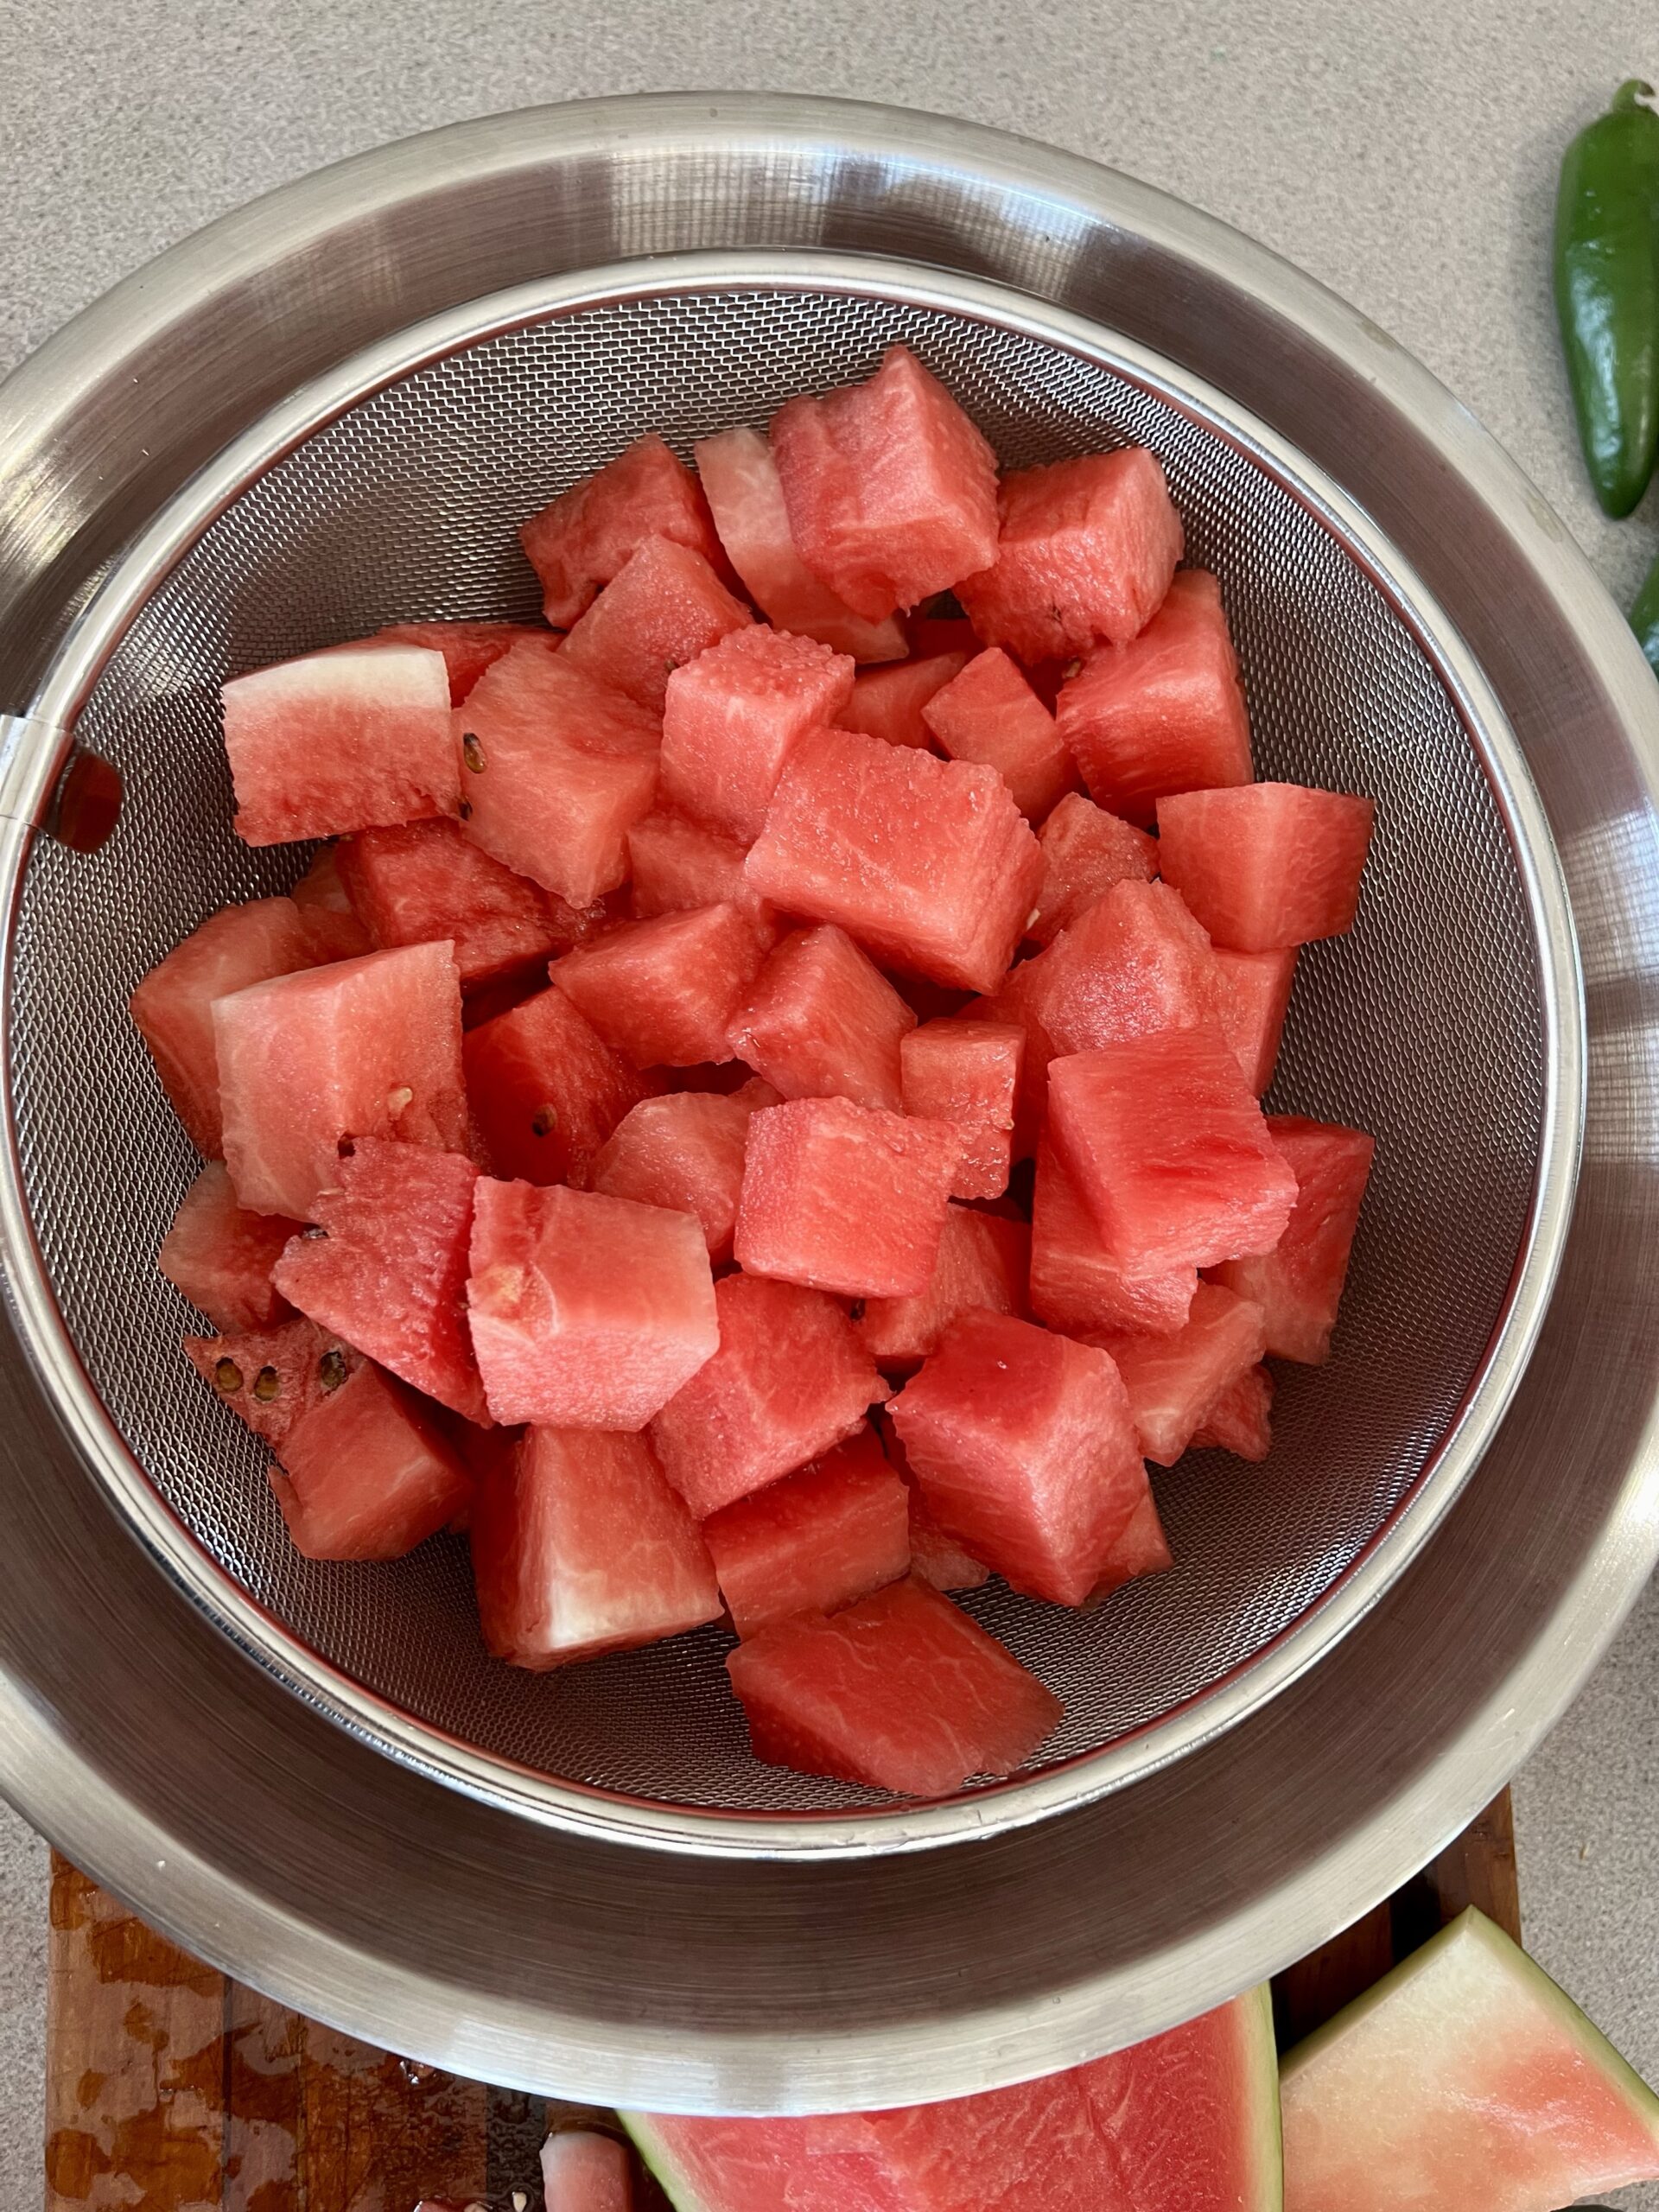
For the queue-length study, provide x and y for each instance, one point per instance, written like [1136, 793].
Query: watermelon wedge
[891, 703]
[1085, 852]
[221, 1257]
[585, 2171]
[588, 534]
[731, 717]
[740, 478]
[545, 1089]
[367, 1473]
[468, 648]
[662, 609]
[1464, 2077]
[1187, 2122]
[818, 1540]
[988, 712]
[823, 1021]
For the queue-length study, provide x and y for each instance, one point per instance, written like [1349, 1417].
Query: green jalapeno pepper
[1644, 617]
[1607, 292]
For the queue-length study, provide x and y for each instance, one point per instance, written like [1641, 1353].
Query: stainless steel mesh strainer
[394, 492]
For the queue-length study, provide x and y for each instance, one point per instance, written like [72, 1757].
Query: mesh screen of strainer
[1424, 1027]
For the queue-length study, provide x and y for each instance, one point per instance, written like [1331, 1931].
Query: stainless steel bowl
[462, 1931]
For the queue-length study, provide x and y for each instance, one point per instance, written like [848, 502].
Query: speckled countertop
[1403, 150]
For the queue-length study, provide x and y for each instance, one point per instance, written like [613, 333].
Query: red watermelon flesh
[588, 534]
[817, 1541]
[1085, 852]
[545, 1089]
[1085, 550]
[330, 919]
[989, 713]
[1240, 1420]
[580, 1546]
[367, 1473]
[340, 741]
[366, 1048]
[220, 1257]
[900, 1692]
[940, 633]
[731, 717]
[1076, 1286]
[1255, 999]
[173, 1005]
[1024, 1447]
[270, 1377]
[1187, 2122]
[1163, 712]
[1269, 865]
[425, 881]
[664, 992]
[1141, 1549]
[845, 1198]
[677, 864]
[585, 2171]
[891, 703]
[1173, 1380]
[891, 491]
[389, 1272]
[1133, 963]
[983, 1261]
[967, 1073]
[741, 479]
[1464, 2077]
[789, 1381]
[587, 1312]
[685, 1152]
[558, 767]
[937, 1559]
[1169, 1152]
[1299, 1284]
[822, 1021]
[662, 610]
[928, 863]
[468, 648]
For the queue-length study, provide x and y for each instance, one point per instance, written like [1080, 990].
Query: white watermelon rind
[1471, 1926]
[642, 2127]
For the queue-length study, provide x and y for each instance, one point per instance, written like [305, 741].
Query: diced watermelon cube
[220, 1257]
[468, 648]
[1085, 852]
[1169, 1151]
[1173, 1380]
[325, 907]
[1075, 1284]
[545, 1089]
[1255, 999]
[366, 1048]
[173, 1005]
[1142, 1548]
[270, 1377]
[1163, 712]
[389, 1272]
[1085, 549]
[1133, 964]
[731, 717]
[557, 769]
[664, 992]
[822, 1021]
[662, 610]
[1299, 1284]
[845, 1198]
[789, 1381]
[1024, 1445]
[1240, 1419]
[968, 1072]
[580, 1546]
[901, 1692]
[983, 1261]
[937, 1559]
[677, 864]
[587, 1312]
[340, 741]
[929, 863]
[685, 1152]
[588, 534]
[989, 713]
[1268, 865]
[367, 1473]
[817, 1541]
[891, 490]
[425, 881]
[741, 479]
[891, 704]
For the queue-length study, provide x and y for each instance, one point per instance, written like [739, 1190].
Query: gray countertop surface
[1405, 153]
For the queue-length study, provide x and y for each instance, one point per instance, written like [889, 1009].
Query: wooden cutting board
[172, 2089]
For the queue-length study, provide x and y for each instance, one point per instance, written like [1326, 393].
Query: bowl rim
[1082, 1777]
